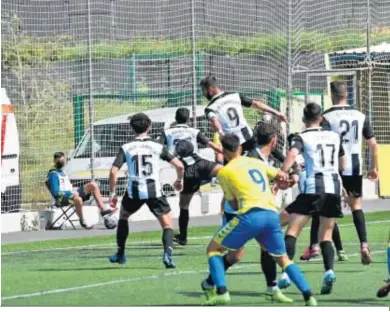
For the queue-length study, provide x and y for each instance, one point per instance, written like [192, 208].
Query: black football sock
[315, 226]
[167, 240]
[121, 235]
[183, 223]
[290, 246]
[226, 265]
[360, 224]
[336, 238]
[268, 266]
[327, 254]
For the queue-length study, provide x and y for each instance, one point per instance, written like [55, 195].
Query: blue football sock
[217, 270]
[388, 259]
[297, 277]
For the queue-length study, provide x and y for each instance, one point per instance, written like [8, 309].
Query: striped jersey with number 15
[143, 164]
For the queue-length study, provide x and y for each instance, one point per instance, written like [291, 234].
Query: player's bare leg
[296, 223]
[78, 204]
[325, 234]
[93, 188]
[122, 232]
[167, 239]
[184, 204]
[360, 224]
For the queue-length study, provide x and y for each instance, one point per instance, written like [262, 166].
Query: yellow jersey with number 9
[247, 180]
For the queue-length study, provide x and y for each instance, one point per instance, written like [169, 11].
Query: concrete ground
[143, 226]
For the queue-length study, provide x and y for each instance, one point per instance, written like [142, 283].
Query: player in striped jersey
[225, 112]
[182, 131]
[142, 157]
[352, 125]
[322, 152]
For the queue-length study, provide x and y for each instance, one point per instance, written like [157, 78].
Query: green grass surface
[144, 281]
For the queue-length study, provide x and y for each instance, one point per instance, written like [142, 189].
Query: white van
[110, 134]
[10, 180]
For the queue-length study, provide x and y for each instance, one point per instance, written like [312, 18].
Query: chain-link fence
[74, 70]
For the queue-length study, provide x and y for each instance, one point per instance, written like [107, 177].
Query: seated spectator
[65, 194]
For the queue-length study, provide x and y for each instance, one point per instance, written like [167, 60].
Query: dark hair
[140, 123]
[312, 112]
[182, 115]
[265, 131]
[208, 82]
[58, 155]
[184, 148]
[339, 91]
[230, 142]
[290, 137]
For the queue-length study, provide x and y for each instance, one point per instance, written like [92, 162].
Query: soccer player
[225, 112]
[169, 137]
[64, 193]
[196, 170]
[245, 185]
[266, 135]
[385, 289]
[352, 125]
[322, 152]
[142, 157]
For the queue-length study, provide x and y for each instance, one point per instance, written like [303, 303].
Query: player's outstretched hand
[275, 189]
[372, 174]
[282, 117]
[178, 185]
[294, 178]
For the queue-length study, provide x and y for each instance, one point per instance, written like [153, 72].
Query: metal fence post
[90, 90]
[289, 67]
[368, 60]
[194, 76]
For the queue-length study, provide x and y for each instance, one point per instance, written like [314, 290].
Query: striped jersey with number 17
[143, 164]
[352, 125]
[321, 150]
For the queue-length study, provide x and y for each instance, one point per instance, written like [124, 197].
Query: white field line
[136, 279]
[137, 243]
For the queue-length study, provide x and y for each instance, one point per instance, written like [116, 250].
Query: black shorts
[353, 185]
[325, 205]
[158, 206]
[196, 175]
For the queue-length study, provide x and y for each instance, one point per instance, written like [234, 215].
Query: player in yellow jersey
[246, 186]
[385, 289]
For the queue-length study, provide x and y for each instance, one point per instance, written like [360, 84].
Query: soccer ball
[110, 222]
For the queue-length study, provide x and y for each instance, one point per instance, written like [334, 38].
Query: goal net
[76, 70]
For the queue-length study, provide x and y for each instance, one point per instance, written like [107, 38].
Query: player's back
[247, 179]
[227, 108]
[321, 150]
[143, 162]
[351, 125]
[181, 132]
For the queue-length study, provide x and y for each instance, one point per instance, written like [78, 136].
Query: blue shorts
[260, 224]
[85, 197]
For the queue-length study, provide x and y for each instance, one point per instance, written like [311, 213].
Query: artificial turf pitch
[77, 272]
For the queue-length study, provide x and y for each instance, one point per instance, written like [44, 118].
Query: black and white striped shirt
[227, 108]
[143, 157]
[182, 132]
[321, 150]
[352, 125]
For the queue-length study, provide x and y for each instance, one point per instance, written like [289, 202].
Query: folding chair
[67, 210]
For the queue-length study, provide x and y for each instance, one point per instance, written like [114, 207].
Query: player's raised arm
[257, 104]
[202, 139]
